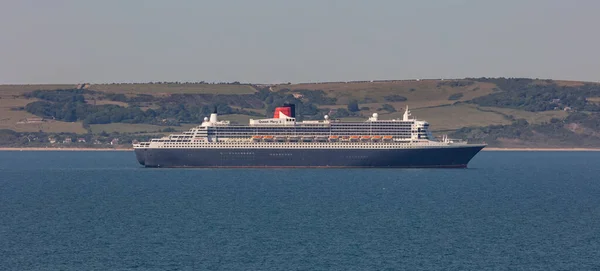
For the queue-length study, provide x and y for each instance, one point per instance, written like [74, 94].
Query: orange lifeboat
[345, 138]
[354, 137]
[387, 137]
[268, 137]
[333, 138]
[365, 137]
[376, 137]
[256, 137]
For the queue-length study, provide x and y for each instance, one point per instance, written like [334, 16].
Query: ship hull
[443, 157]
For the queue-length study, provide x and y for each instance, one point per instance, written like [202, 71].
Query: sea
[94, 210]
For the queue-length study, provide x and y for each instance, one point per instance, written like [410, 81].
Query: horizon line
[292, 83]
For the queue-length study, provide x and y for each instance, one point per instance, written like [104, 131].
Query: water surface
[102, 211]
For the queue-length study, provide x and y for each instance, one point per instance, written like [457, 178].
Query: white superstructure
[283, 131]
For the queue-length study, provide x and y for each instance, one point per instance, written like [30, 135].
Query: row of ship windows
[224, 142]
[353, 132]
[297, 147]
[314, 129]
[285, 154]
[309, 129]
[170, 142]
[349, 133]
[292, 128]
[286, 143]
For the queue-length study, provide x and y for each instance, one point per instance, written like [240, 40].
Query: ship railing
[141, 144]
[455, 141]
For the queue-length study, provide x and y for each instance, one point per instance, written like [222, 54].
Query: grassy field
[103, 102]
[135, 128]
[531, 117]
[427, 99]
[11, 119]
[9, 100]
[152, 89]
[163, 89]
[9, 90]
[594, 100]
[424, 93]
[445, 118]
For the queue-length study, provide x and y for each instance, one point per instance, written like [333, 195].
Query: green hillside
[503, 112]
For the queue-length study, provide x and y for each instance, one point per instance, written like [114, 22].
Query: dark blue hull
[455, 157]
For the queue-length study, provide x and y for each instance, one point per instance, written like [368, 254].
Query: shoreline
[65, 149]
[131, 149]
[539, 149]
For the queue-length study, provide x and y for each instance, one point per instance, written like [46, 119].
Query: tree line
[77, 105]
[555, 132]
[526, 94]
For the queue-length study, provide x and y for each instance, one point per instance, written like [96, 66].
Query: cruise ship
[282, 141]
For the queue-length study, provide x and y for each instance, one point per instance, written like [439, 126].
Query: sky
[277, 41]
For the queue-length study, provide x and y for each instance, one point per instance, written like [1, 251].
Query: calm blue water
[102, 211]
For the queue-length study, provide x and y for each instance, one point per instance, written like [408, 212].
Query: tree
[388, 107]
[353, 106]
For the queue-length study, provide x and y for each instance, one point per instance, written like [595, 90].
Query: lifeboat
[333, 138]
[345, 138]
[256, 137]
[320, 138]
[307, 138]
[293, 138]
[365, 137]
[387, 137]
[375, 138]
[280, 138]
[268, 138]
[354, 137]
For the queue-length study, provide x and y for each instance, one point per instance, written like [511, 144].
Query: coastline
[66, 149]
[540, 149]
[131, 149]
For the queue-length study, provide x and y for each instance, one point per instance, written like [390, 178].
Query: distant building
[115, 141]
[31, 120]
[83, 86]
[67, 140]
[81, 140]
[34, 120]
[567, 108]
[297, 95]
[52, 140]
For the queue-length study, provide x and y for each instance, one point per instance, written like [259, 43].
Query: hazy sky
[271, 41]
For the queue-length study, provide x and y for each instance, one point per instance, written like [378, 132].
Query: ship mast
[406, 114]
